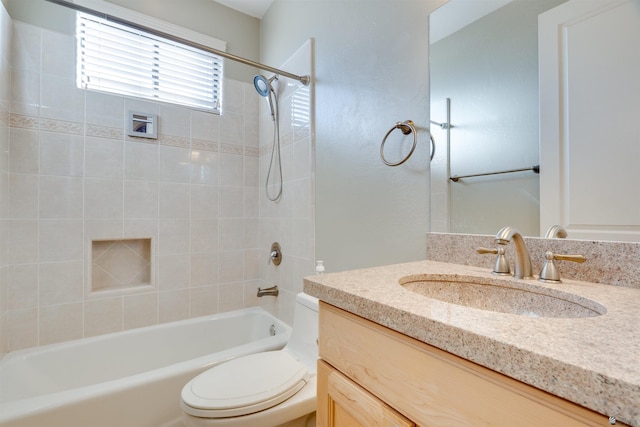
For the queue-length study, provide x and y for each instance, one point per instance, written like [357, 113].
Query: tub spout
[523, 260]
[272, 291]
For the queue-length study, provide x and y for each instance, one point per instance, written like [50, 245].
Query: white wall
[371, 71]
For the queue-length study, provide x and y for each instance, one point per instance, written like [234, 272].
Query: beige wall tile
[204, 269]
[196, 193]
[60, 240]
[61, 154]
[140, 310]
[140, 199]
[22, 286]
[230, 296]
[103, 316]
[60, 197]
[59, 323]
[103, 198]
[22, 328]
[174, 305]
[204, 300]
[104, 158]
[61, 283]
[24, 151]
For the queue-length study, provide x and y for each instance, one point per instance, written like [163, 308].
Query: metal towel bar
[535, 169]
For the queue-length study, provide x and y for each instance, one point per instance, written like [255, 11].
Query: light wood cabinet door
[427, 385]
[343, 403]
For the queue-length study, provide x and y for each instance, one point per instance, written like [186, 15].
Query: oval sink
[503, 296]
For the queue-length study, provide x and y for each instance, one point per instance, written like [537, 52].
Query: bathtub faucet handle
[276, 254]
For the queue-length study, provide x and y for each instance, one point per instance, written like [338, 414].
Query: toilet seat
[244, 385]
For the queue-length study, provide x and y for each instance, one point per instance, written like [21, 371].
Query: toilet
[265, 389]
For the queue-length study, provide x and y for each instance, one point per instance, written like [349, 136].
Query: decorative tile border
[93, 130]
[264, 150]
[105, 132]
[174, 141]
[232, 149]
[23, 122]
[61, 126]
[252, 151]
[200, 144]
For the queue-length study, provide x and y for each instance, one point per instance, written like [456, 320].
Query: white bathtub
[130, 378]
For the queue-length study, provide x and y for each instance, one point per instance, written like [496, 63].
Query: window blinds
[118, 59]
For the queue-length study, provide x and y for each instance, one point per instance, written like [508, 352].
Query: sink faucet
[555, 232]
[523, 260]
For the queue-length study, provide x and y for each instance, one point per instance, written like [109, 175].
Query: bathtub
[130, 378]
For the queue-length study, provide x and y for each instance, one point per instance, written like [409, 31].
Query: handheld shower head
[262, 85]
[264, 88]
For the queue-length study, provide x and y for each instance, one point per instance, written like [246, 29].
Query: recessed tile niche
[120, 264]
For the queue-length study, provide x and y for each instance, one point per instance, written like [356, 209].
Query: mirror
[485, 61]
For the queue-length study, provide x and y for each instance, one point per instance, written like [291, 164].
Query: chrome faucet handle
[501, 267]
[275, 255]
[549, 273]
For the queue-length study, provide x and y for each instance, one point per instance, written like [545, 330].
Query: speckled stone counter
[592, 361]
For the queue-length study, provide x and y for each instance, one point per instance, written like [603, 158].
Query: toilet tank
[303, 343]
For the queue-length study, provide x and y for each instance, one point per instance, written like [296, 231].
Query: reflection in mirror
[488, 68]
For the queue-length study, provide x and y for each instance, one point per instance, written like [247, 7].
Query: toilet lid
[244, 385]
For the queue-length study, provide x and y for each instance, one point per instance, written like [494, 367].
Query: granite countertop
[592, 361]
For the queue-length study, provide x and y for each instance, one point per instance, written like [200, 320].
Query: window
[118, 59]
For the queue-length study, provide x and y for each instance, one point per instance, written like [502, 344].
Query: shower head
[264, 88]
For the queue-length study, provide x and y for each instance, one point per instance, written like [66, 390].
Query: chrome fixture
[555, 232]
[501, 267]
[305, 80]
[549, 273]
[272, 291]
[535, 169]
[407, 127]
[444, 126]
[276, 254]
[523, 260]
[265, 88]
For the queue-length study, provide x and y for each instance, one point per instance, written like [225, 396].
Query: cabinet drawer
[349, 405]
[435, 388]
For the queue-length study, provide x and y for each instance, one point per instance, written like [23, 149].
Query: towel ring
[406, 127]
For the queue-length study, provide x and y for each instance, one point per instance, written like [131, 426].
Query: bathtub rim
[11, 410]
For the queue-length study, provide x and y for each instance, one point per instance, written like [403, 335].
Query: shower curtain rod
[302, 79]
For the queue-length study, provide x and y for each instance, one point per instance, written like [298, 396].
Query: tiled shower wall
[290, 221]
[74, 176]
[5, 43]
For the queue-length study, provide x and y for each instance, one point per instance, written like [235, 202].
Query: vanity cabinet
[349, 405]
[372, 376]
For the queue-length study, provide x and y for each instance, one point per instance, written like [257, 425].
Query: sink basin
[502, 295]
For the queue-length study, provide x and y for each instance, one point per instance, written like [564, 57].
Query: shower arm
[302, 79]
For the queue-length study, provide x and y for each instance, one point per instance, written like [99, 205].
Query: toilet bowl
[264, 389]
